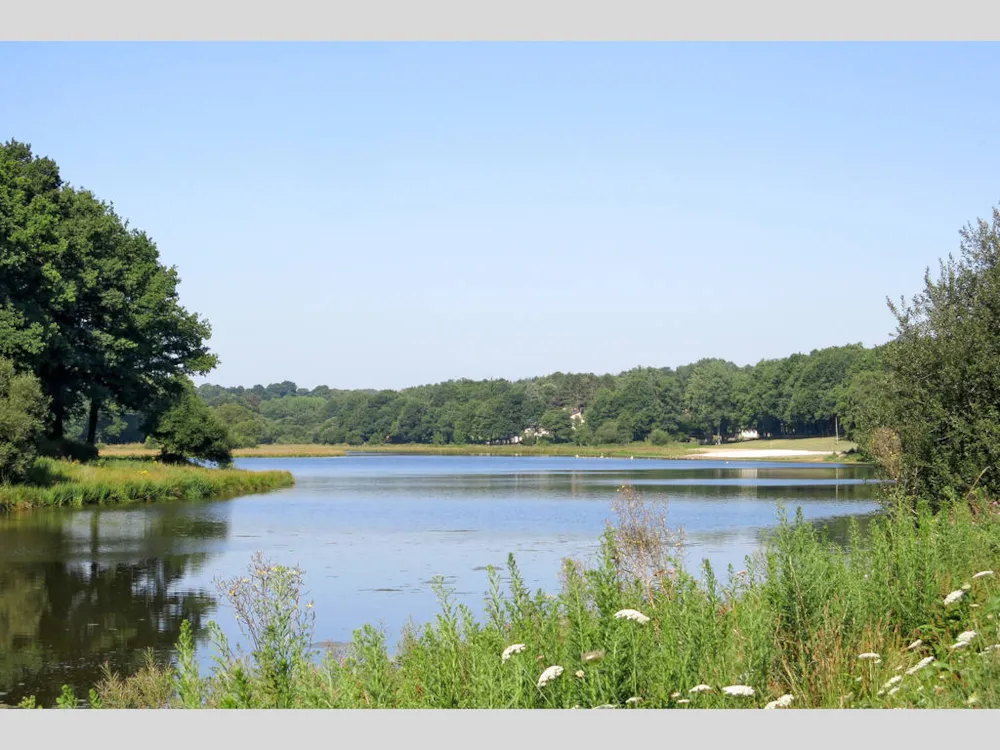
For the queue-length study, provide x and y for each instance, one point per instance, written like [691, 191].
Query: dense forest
[820, 393]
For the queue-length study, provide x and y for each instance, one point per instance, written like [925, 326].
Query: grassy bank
[111, 481]
[907, 618]
[634, 450]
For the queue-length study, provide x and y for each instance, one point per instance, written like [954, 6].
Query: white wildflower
[631, 614]
[972, 700]
[994, 647]
[966, 636]
[514, 648]
[683, 701]
[548, 675]
[579, 673]
[870, 656]
[675, 696]
[966, 587]
[893, 681]
[954, 596]
[982, 574]
[633, 699]
[700, 689]
[894, 691]
[590, 656]
[743, 691]
[607, 705]
[920, 665]
[916, 644]
[959, 644]
[783, 702]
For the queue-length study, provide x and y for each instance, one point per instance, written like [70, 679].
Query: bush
[607, 433]
[189, 429]
[22, 419]
[943, 396]
[659, 437]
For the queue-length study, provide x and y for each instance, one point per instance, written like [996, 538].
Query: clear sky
[384, 215]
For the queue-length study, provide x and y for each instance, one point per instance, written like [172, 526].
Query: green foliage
[659, 437]
[246, 428]
[800, 395]
[67, 699]
[712, 397]
[189, 429]
[942, 396]
[558, 424]
[84, 302]
[22, 414]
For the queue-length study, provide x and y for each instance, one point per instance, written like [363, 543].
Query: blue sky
[384, 215]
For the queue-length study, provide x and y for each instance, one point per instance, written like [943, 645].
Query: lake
[79, 587]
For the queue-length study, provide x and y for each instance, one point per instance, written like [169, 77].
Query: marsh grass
[802, 621]
[111, 481]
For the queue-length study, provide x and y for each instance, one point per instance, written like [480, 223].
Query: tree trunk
[95, 411]
[58, 417]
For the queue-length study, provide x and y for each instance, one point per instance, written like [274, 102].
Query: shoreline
[768, 451]
[120, 481]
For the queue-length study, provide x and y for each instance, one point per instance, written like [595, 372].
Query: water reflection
[81, 588]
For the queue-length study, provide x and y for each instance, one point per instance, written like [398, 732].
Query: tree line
[813, 394]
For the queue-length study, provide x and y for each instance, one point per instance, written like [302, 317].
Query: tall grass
[109, 481]
[808, 624]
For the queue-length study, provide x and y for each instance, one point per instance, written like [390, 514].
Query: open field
[112, 481]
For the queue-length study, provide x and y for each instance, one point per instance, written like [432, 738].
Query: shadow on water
[81, 588]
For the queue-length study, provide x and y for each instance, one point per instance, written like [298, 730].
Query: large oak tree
[85, 303]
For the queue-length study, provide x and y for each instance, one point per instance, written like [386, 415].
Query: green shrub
[189, 429]
[659, 437]
[22, 415]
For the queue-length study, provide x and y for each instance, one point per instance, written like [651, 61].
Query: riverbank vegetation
[52, 482]
[904, 617]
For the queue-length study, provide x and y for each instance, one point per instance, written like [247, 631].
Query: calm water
[80, 587]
